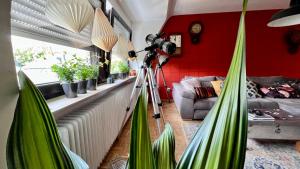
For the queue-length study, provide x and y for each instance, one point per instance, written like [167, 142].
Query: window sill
[61, 105]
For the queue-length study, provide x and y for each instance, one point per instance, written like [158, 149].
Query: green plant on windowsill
[123, 67]
[66, 74]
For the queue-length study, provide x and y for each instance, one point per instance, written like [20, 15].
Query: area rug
[261, 155]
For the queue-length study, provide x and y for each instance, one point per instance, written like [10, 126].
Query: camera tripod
[146, 76]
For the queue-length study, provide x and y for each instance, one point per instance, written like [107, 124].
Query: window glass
[35, 58]
[119, 53]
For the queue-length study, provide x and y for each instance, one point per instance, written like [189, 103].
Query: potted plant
[66, 72]
[81, 74]
[92, 77]
[123, 70]
[114, 70]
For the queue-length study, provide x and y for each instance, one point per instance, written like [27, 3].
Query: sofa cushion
[178, 88]
[205, 92]
[205, 104]
[262, 103]
[266, 80]
[252, 91]
[189, 84]
[290, 105]
[257, 103]
[217, 85]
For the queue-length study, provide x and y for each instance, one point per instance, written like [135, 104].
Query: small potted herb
[114, 70]
[66, 72]
[81, 74]
[92, 77]
[123, 70]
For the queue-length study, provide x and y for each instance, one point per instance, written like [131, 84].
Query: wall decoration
[73, 15]
[177, 39]
[195, 30]
[103, 35]
[292, 39]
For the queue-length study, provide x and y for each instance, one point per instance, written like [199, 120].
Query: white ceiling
[145, 10]
[184, 7]
[151, 10]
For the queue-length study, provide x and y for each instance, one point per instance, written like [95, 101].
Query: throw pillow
[204, 92]
[252, 91]
[217, 85]
[206, 84]
[271, 92]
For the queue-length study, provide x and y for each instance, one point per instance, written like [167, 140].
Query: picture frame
[177, 39]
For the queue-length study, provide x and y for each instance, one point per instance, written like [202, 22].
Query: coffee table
[284, 126]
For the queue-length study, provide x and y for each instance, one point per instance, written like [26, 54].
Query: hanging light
[103, 35]
[121, 47]
[287, 17]
[73, 15]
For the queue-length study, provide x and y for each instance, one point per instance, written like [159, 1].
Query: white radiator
[91, 130]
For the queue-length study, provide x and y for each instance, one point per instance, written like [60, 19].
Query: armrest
[186, 93]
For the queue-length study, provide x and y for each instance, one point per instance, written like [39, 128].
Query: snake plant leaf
[141, 155]
[33, 141]
[164, 149]
[220, 142]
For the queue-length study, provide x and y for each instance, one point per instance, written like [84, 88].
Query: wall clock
[195, 31]
[177, 39]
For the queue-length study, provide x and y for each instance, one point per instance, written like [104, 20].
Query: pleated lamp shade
[73, 15]
[103, 35]
[122, 48]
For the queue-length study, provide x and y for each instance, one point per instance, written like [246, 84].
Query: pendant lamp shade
[103, 35]
[287, 17]
[122, 47]
[130, 46]
[73, 15]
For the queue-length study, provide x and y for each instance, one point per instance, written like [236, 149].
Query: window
[35, 58]
[119, 52]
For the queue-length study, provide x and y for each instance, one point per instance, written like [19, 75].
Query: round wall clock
[195, 30]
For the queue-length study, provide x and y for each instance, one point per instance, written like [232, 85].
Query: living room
[115, 84]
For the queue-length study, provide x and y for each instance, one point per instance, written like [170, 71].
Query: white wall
[120, 11]
[8, 83]
[141, 30]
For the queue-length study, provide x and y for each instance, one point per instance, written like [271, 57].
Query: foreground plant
[141, 156]
[220, 142]
[33, 141]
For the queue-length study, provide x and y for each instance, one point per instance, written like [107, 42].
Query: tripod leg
[140, 80]
[156, 102]
[168, 90]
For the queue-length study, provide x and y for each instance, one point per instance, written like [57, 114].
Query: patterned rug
[261, 155]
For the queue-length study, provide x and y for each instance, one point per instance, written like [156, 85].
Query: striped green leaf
[141, 155]
[33, 141]
[220, 142]
[164, 149]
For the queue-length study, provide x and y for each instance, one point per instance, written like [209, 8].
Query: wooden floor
[121, 146]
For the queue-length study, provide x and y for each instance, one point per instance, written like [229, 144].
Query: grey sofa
[191, 108]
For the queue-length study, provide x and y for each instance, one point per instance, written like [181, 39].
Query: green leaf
[164, 149]
[141, 156]
[220, 142]
[33, 141]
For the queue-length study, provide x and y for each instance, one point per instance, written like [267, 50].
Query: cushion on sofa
[204, 92]
[217, 85]
[205, 104]
[189, 84]
[266, 80]
[189, 94]
[290, 105]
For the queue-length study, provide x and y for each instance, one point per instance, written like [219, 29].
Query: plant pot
[70, 89]
[123, 75]
[92, 84]
[82, 86]
[115, 76]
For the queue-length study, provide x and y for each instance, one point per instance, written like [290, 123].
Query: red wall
[267, 52]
